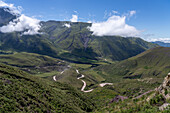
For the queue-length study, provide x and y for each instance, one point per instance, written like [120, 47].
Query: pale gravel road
[84, 83]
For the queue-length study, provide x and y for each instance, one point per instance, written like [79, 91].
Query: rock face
[164, 106]
[164, 89]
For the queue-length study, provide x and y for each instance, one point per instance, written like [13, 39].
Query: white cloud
[165, 40]
[115, 25]
[67, 25]
[12, 9]
[74, 18]
[25, 24]
[89, 21]
[131, 13]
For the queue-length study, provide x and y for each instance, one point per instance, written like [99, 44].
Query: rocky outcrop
[164, 88]
[164, 106]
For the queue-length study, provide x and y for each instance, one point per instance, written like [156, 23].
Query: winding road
[54, 77]
[84, 83]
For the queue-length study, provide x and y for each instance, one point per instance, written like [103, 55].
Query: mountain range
[75, 43]
[65, 68]
[163, 44]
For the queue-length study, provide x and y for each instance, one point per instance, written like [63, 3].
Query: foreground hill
[20, 92]
[156, 100]
[152, 63]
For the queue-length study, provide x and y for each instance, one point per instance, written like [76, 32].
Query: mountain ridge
[75, 43]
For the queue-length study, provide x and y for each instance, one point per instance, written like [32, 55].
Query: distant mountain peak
[6, 16]
[161, 43]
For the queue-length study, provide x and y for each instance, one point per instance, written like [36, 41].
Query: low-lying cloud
[74, 18]
[114, 25]
[165, 40]
[25, 24]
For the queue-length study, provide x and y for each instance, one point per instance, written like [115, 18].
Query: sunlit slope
[152, 63]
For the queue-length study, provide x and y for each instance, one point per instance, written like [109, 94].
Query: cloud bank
[74, 18]
[29, 25]
[115, 25]
[25, 24]
[165, 40]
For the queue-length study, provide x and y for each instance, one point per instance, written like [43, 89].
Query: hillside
[78, 40]
[154, 63]
[156, 100]
[21, 92]
[33, 63]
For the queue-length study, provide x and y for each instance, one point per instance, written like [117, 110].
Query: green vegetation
[30, 64]
[154, 63]
[75, 44]
[140, 105]
[33, 63]
[21, 92]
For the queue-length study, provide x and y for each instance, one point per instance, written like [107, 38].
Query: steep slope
[20, 92]
[35, 44]
[152, 63]
[77, 39]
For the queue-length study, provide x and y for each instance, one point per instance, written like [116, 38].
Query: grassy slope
[22, 92]
[26, 43]
[83, 46]
[154, 63]
[140, 105]
[147, 103]
[33, 63]
[157, 58]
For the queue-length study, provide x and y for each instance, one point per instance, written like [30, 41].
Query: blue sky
[152, 16]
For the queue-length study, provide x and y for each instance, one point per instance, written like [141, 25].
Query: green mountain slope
[20, 92]
[35, 44]
[80, 43]
[152, 63]
[74, 44]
